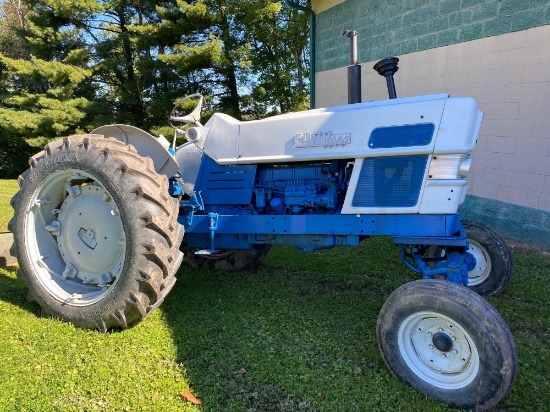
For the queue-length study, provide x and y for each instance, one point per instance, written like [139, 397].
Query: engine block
[308, 188]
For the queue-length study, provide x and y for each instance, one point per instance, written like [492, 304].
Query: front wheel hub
[481, 266]
[442, 342]
[439, 350]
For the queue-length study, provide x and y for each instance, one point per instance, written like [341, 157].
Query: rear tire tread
[122, 165]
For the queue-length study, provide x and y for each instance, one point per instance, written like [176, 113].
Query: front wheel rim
[75, 238]
[438, 350]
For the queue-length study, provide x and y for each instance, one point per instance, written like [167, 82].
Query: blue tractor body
[321, 189]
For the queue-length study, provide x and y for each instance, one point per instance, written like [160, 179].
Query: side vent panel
[390, 181]
[225, 185]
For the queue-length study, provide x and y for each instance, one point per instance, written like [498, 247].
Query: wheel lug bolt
[431, 346]
[443, 355]
[430, 334]
[440, 329]
[455, 351]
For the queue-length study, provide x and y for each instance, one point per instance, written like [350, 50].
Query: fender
[145, 144]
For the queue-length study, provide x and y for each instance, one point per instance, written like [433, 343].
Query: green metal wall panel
[396, 27]
[520, 223]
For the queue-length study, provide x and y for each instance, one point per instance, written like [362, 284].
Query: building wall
[397, 27]
[319, 6]
[507, 71]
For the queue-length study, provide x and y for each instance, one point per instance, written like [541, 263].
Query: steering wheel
[191, 118]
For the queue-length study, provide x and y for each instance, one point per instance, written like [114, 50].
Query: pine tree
[12, 21]
[69, 66]
[47, 90]
[280, 57]
[255, 56]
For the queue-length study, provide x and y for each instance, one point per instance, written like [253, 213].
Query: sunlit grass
[7, 190]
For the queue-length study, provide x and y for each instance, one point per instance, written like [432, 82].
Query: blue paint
[402, 136]
[454, 268]
[411, 226]
[225, 185]
[174, 188]
[277, 205]
[298, 188]
[305, 243]
[243, 206]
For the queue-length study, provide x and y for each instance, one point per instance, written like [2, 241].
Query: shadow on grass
[14, 291]
[298, 333]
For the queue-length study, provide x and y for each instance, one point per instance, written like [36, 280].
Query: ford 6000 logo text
[321, 139]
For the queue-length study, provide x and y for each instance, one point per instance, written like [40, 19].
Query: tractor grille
[390, 181]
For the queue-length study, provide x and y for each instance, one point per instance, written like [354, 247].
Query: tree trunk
[133, 103]
[230, 71]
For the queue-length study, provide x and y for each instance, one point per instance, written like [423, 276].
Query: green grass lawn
[297, 334]
[7, 190]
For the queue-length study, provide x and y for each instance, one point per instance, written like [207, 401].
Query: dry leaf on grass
[187, 395]
[241, 371]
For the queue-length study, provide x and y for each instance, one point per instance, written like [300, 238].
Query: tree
[12, 20]
[46, 88]
[280, 57]
[258, 58]
[179, 53]
[39, 99]
[82, 63]
[41, 94]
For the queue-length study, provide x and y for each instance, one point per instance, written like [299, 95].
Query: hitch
[213, 226]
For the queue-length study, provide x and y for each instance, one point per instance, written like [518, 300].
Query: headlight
[454, 166]
[464, 168]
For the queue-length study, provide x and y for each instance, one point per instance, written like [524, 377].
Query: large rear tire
[96, 233]
[447, 342]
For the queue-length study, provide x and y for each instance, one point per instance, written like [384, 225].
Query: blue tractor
[100, 219]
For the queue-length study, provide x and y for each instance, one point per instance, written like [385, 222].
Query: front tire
[447, 342]
[96, 233]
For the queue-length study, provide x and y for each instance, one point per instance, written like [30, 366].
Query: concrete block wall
[509, 76]
[397, 27]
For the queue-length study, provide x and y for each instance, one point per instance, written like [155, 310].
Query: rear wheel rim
[438, 350]
[75, 237]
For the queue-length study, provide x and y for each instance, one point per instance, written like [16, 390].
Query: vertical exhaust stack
[386, 68]
[354, 70]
